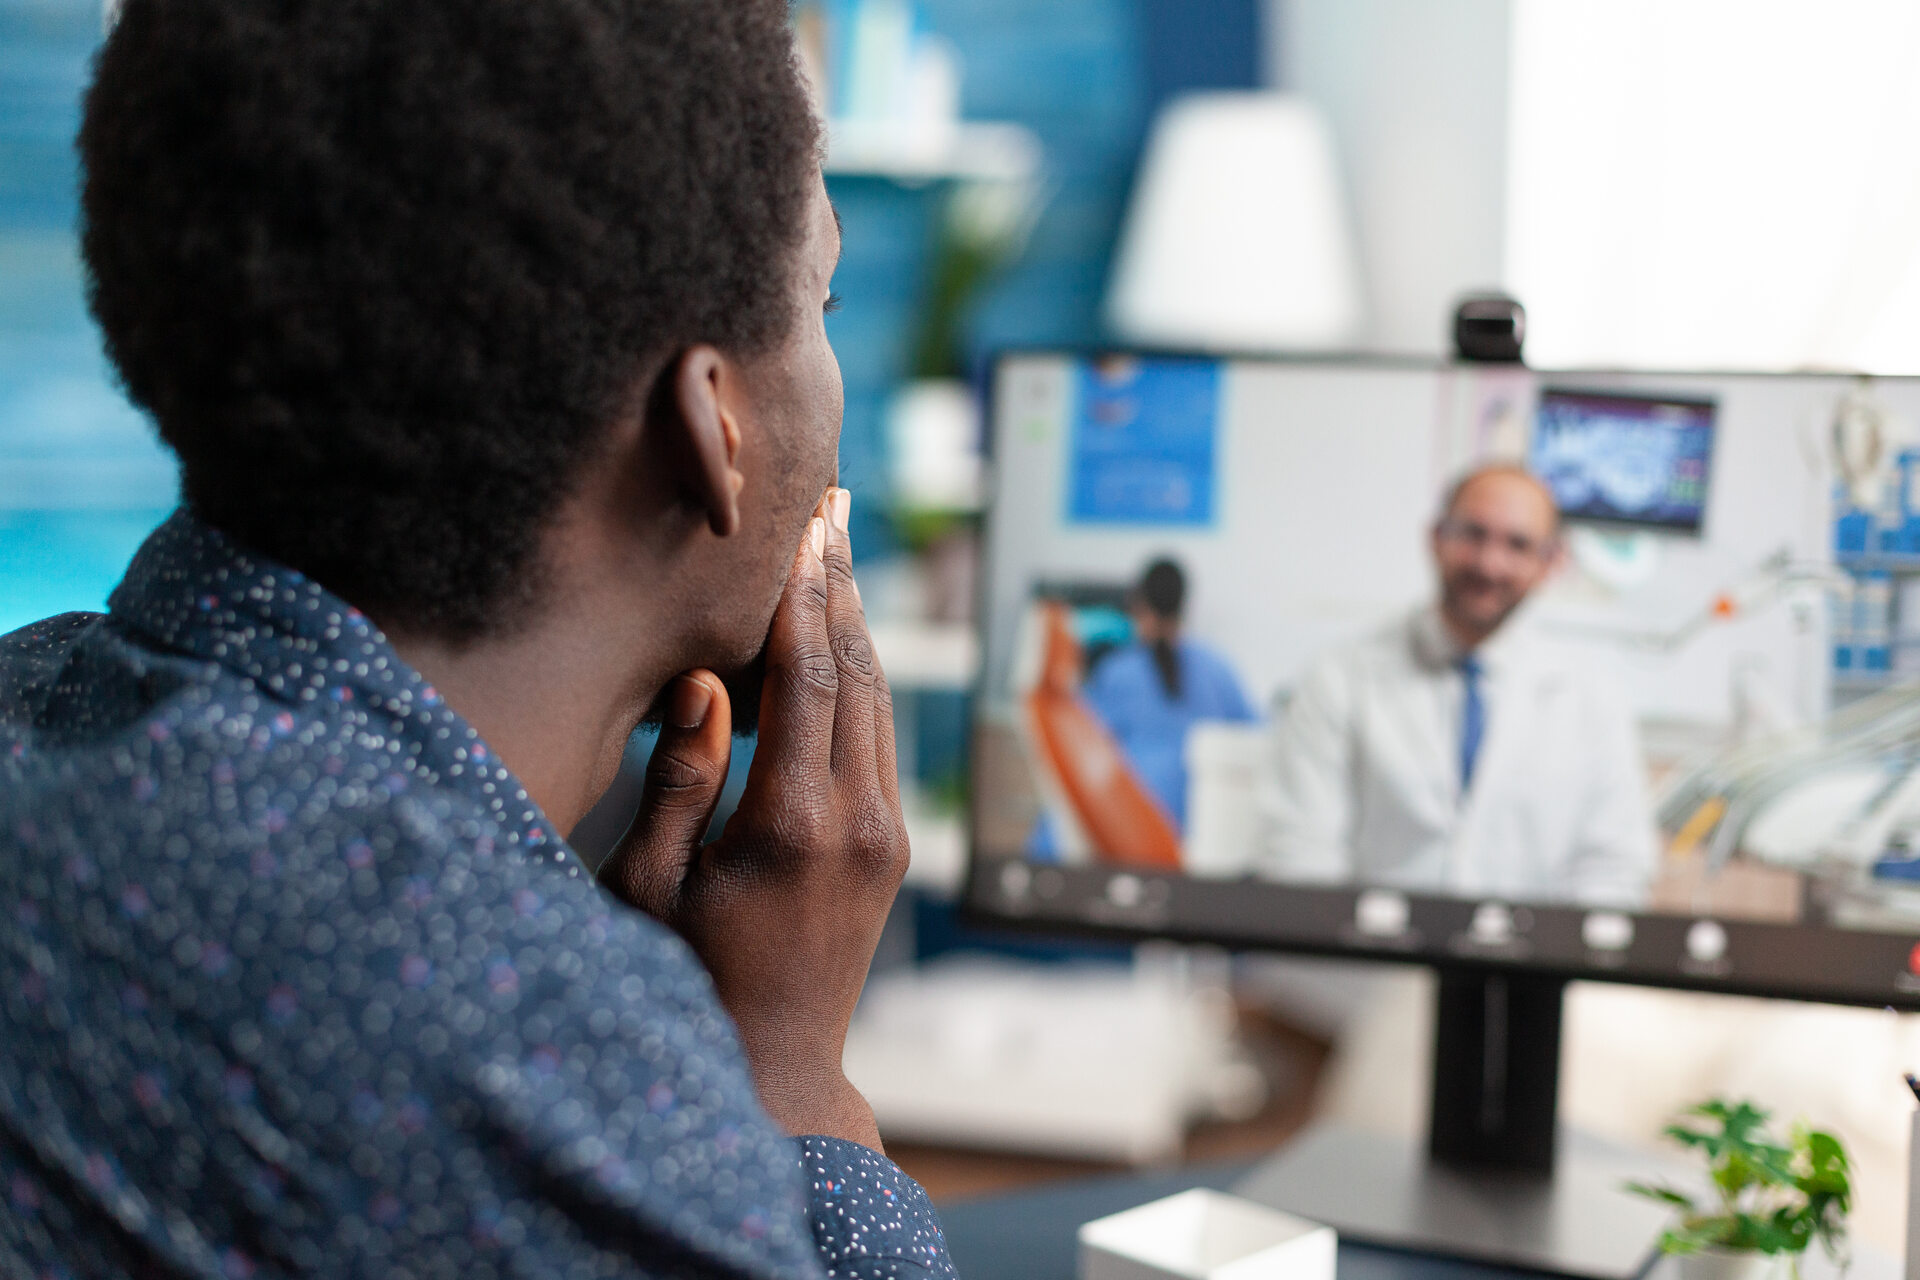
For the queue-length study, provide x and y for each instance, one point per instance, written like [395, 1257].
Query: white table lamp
[1237, 237]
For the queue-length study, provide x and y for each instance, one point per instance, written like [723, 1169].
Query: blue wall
[82, 477]
[1071, 70]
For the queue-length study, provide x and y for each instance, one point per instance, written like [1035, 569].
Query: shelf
[1878, 561]
[928, 656]
[972, 150]
[1854, 681]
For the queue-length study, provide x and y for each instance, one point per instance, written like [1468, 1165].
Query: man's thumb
[684, 777]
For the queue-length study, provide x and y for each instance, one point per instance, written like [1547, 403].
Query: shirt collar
[193, 591]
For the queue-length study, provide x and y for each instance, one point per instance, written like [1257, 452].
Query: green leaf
[1676, 1242]
[1774, 1198]
[1825, 1161]
[1742, 1118]
[1666, 1195]
[1688, 1137]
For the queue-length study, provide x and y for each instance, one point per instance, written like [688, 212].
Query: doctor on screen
[1455, 752]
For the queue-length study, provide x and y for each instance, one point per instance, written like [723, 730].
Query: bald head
[1511, 476]
[1497, 538]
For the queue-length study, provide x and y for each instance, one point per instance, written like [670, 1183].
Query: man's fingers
[802, 682]
[856, 670]
[685, 774]
[886, 760]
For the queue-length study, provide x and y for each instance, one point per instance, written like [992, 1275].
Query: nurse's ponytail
[1162, 591]
[1168, 663]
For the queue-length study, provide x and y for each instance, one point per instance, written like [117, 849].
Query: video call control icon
[1125, 891]
[1607, 931]
[1015, 881]
[1381, 913]
[1492, 925]
[1706, 942]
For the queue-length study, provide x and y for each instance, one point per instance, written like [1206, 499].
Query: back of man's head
[384, 270]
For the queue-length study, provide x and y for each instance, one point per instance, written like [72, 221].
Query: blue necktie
[1473, 719]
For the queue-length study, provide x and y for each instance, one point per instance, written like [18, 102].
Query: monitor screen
[1632, 460]
[1220, 699]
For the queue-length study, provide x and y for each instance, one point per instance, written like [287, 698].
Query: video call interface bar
[1699, 953]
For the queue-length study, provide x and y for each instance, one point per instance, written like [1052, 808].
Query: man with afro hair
[489, 336]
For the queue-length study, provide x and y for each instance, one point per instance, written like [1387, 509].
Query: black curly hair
[383, 271]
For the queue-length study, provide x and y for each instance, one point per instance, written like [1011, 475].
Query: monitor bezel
[1762, 959]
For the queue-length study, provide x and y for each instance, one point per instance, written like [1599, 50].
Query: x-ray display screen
[1625, 460]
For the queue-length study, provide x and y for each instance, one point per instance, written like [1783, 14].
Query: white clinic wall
[1692, 184]
[1329, 477]
[1717, 183]
[1415, 92]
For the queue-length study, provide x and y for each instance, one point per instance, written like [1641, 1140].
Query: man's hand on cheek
[787, 907]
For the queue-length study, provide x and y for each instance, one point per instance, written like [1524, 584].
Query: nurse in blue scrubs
[1151, 692]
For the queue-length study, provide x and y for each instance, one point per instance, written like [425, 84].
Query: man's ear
[712, 436]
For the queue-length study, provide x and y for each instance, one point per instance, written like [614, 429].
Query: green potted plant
[1769, 1201]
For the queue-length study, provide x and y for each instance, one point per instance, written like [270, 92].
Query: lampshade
[1237, 235]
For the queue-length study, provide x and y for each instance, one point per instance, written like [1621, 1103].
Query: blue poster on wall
[1143, 444]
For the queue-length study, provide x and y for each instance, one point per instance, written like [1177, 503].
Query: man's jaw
[743, 685]
[1473, 626]
[743, 694]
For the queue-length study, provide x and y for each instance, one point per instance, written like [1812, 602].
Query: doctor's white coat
[1363, 784]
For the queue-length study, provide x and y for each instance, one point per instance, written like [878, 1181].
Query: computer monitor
[1297, 498]
[1636, 461]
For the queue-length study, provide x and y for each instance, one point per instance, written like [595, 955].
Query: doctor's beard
[1478, 602]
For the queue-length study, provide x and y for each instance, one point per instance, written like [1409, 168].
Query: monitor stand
[1496, 1182]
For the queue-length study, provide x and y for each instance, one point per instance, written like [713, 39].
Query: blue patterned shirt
[295, 979]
